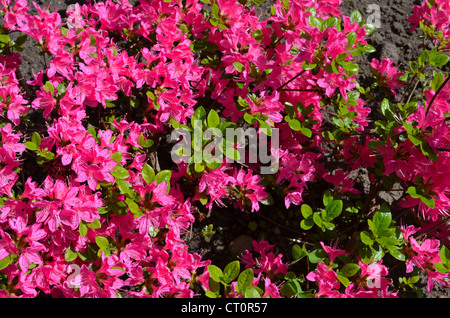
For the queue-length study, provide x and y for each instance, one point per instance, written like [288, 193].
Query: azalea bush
[87, 211]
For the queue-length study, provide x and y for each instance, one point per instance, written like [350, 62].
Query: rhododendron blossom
[92, 206]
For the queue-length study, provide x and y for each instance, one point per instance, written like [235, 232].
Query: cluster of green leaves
[306, 113]
[43, 154]
[323, 218]
[384, 235]
[220, 282]
[208, 145]
[444, 265]
[7, 45]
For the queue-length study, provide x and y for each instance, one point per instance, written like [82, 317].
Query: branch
[292, 79]
[435, 95]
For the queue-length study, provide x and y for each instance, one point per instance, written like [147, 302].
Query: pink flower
[330, 82]
[44, 101]
[373, 275]
[333, 251]
[246, 187]
[437, 277]
[7, 246]
[326, 279]
[341, 181]
[387, 74]
[214, 184]
[30, 255]
[267, 263]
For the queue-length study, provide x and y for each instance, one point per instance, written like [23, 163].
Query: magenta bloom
[387, 74]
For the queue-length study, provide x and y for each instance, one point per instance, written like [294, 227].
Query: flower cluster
[91, 207]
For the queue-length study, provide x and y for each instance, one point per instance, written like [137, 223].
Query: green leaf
[119, 172]
[350, 68]
[396, 252]
[249, 118]
[291, 288]
[412, 191]
[418, 194]
[386, 109]
[428, 201]
[215, 273]
[327, 198]
[355, 17]
[4, 38]
[239, 66]
[308, 67]
[351, 38]
[36, 139]
[445, 255]
[117, 157]
[231, 271]
[70, 255]
[232, 153]
[164, 176]
[317, 219]
[387, 241]
[252, 292]
[94, 224]
[102, 242]
[334, 209]
[344, 280]
[440, 60]
[366, 238]
[298, 252]
[151, 96]
[295, 124]
[416, 141]
[92, 131]
[437, 81]
[317, 256]
[307, 224]
[148, 174]
[306, 211]
[146, 143]
[369, 48]
[82, 228]
[315, 22]
[428, 151]
[349, 269]
[5, 262]
[31, 146]
[330, 226]
[441, 268]
[132, 206]
[124, 186]
[215, 10]
[61, 88]
[381, 221]
[306, 131]
[423, 57]
[213, 119]
[199, 114]
[210, 294]
[199, 167]
[245, 279]
[49, 87]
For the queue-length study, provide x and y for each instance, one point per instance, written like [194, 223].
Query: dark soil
[233, 228]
